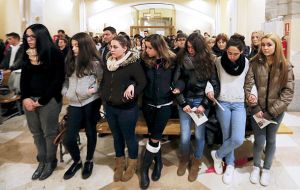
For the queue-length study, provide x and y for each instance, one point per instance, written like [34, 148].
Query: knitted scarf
[232, 68]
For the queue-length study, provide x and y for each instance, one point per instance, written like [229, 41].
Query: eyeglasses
[30, 37]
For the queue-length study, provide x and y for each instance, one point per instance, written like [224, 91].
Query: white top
[14, 50]
[232, 87]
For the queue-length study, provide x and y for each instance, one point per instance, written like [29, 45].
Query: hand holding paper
[262, 122]
[199, 118]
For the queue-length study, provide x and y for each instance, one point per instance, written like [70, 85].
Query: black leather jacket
[192, 86]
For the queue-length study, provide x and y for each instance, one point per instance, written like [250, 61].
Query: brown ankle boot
[131, 168]
[119, 168]
[193, 174]
[182, 167]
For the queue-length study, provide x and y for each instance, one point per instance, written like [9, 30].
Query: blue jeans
[185, 131]
[266, 135]
[233, 123]
[122, 124]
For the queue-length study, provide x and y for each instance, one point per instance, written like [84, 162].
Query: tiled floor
[17, 163]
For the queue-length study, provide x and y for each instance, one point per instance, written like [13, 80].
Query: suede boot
[119, 168]
[193, 174]
[130, 170]
[183, 163]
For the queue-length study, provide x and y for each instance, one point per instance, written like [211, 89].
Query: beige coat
[273, 99]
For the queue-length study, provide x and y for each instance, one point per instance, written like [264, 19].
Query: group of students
[194, 77]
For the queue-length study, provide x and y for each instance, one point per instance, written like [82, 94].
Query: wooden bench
[17, 100]
[172, 128]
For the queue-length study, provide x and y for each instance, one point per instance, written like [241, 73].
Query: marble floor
[17, 163]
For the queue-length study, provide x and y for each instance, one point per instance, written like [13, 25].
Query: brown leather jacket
[273, 99]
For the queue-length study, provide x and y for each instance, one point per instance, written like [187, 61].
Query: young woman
[274, 79]
[123, 81]
[255, 43]
[158, 64]
[195, 69]
[220, 44]
[41, 83]
[83, 75]
[232, 68]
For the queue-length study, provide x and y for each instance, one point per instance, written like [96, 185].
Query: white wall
[190, 15]
[251, 15]
[10, 18]
[62, 14]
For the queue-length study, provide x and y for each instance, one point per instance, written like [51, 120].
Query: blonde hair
[279, 61]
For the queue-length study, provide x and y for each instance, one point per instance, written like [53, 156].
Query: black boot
[146, 163]
[87, 169]
[72, 170]
[157, 166]
[37, 173]
[48, 170]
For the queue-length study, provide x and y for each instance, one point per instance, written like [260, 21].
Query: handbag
[61, 130]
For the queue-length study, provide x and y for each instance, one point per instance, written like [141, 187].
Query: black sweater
[44, 80]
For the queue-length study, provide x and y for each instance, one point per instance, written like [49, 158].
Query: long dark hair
[204, 61]
[83, 61]
[162, 49]
[44, 43]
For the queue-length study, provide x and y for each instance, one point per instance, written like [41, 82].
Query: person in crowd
[137, 41]
[83, 76]
[14, 56]
[97, 42]
[195, 68]
[60, 35]
[2, 48]
[108, 34]
[211, 42]
[159, 67]
[63, 46]
[273, 76]
[123, 81]
[255, 43]
[41, 83]
[220, 46]
[143, 45]
[146, 33]
[180, 42]
[232, 68]
[206, 35]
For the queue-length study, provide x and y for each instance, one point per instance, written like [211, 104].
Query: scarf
[33, 57]
[113, 64]
[231, 68]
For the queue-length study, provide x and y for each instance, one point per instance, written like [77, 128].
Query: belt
[161, 105]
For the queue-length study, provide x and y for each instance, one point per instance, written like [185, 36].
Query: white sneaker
[218, 164]
[255, 174]
[228, 175]
[265, 177]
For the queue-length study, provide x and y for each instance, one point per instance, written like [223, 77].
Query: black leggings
[82, 117]
[156, 119]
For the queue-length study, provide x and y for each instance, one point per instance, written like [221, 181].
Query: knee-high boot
[158, 165]
[146, 163]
